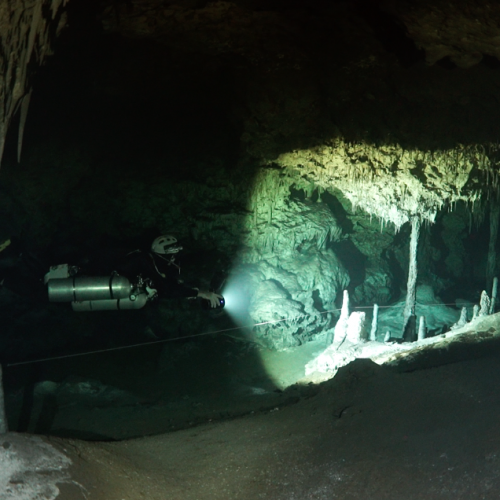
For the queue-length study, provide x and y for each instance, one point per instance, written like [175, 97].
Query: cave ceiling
[395, 103]
[262, 31]
[371, 69]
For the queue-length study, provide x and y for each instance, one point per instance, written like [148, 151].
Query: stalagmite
[475, 312]
[484, 304]
[373, 331]
[492, 247]
[3, 418]
[462, 321]
[387, 336]
[422, 329]
[463, 317]
[409, 319]
[356, 327]
[341, 326]
[494, 291]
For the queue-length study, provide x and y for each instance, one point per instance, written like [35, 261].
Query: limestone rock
[273, 310]
[376, 287]
[290, 294]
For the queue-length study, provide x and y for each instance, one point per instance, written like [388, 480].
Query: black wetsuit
[159, 269]
[163, 273]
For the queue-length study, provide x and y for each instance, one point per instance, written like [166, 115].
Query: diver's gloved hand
[213, 298]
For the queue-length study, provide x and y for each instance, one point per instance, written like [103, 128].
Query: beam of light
[237, 301]
[283, 368]
[246, 300]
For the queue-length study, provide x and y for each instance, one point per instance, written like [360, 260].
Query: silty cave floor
[370, 432]
[172, 385]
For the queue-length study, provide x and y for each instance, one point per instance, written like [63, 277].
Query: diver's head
[165, 245]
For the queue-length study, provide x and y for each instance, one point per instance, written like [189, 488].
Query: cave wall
[256, 132]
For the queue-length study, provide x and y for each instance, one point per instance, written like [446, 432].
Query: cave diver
[160, 266]
[136, 278]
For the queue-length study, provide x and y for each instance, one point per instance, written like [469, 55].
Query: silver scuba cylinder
[134, 301]
[89, 288]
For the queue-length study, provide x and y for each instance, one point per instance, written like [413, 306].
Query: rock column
[492, 247]
[409, 319]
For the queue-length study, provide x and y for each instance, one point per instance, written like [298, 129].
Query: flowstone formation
[395, 184]
[27, 29]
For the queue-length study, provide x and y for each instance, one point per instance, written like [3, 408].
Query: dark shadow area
[398, 273]
[137, 391]
[490, 62]
[338, 210]
[297, 194]
[149, 97]
[447, 64]
[353, 260]
[462, 245]
[391, 34]
[132, 105]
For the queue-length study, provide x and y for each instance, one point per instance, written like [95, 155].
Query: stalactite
[409, 320]
[24, 35]
[25, 102]
[4, 428]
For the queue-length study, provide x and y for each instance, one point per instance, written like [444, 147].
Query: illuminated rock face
[274, 135]
[321, 278]
[292, 283]
[394, 184]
